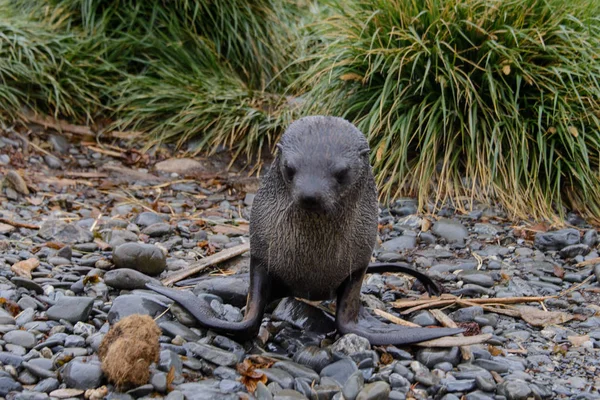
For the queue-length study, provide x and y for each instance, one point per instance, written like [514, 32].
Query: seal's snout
[311, 201]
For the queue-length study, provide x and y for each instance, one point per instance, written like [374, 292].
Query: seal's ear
[279, 147]
[364, 152]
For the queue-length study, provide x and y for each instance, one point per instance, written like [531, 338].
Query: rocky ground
[84, 224]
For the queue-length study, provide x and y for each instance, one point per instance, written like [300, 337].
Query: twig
[466, 352]
[18, 224]
[588, 262]
[207, 262]
[451, 341]
[394, 319]
[573, 288]
[58, 125]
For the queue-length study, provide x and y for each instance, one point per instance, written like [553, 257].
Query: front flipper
[351, 317]
[380, 268]
[259, 295]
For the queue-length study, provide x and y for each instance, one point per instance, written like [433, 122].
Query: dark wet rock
[350, 343]
[304, 316]
[479, 395]
[146, 219]
[279, 376]
[145, 258]
[315, 358]
[424, 318]
[339, 371]
[492, 365]
[374, 391]
[47, 385]
[232, 289]
[556, 240]
[514, 389]
[128, 279]
[133, 304]
[466, 314]
[486, 385]
[8, 385]
[157, 230]
[60, 231]
[353, 385]
[450, 230]
[458, 385]
[400, 243]
[141, 391]
[82, 373]
[484, 280]
[297, 370]
[574, 251]
[487, 229]
[72, 309]
[288, 394]
[8, 358]
[590, 238]
[432, 356]
[174, 328]
[214, 354]
[169, 359]
[6, 318]
[27, 284]
[20, 338]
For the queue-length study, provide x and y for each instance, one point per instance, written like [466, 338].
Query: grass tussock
[462, 100]
[470, 99]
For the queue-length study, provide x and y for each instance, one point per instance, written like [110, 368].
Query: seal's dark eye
[341, 175]
[289, 172]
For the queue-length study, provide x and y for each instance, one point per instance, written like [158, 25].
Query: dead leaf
[506, 69]
[351, 76]
[35, 201]
[230, 229]
[573, 131]
[386, 358]
[170, 377]
[380, 150]
[578, 341]
[537, 317]
[5, 228]
[24, 268]
[494, 351]
[250, 377]
[425, 225]
[13, 308]
[559, 271]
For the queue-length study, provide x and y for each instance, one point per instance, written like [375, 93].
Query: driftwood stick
[428, 303]
[18, 224]
[588, 262]
[394, 319]
[466, 352]
[207, 262]
[58, 125]
[451, 341]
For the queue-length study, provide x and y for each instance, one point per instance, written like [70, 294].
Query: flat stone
[128, 279]
[60, 231]
[21, 338]
[82, 374]
[339, 371]
[350, 343]
[556, 240]
[145, 258]
[374, 391]
[400, 243]
[72, 309]
[452, 231]
[214, 354]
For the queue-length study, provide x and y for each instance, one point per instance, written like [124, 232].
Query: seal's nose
[311, 201]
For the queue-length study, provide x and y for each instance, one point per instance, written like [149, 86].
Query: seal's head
[321, 161]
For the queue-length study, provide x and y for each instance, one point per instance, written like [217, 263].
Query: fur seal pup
[313, 227]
